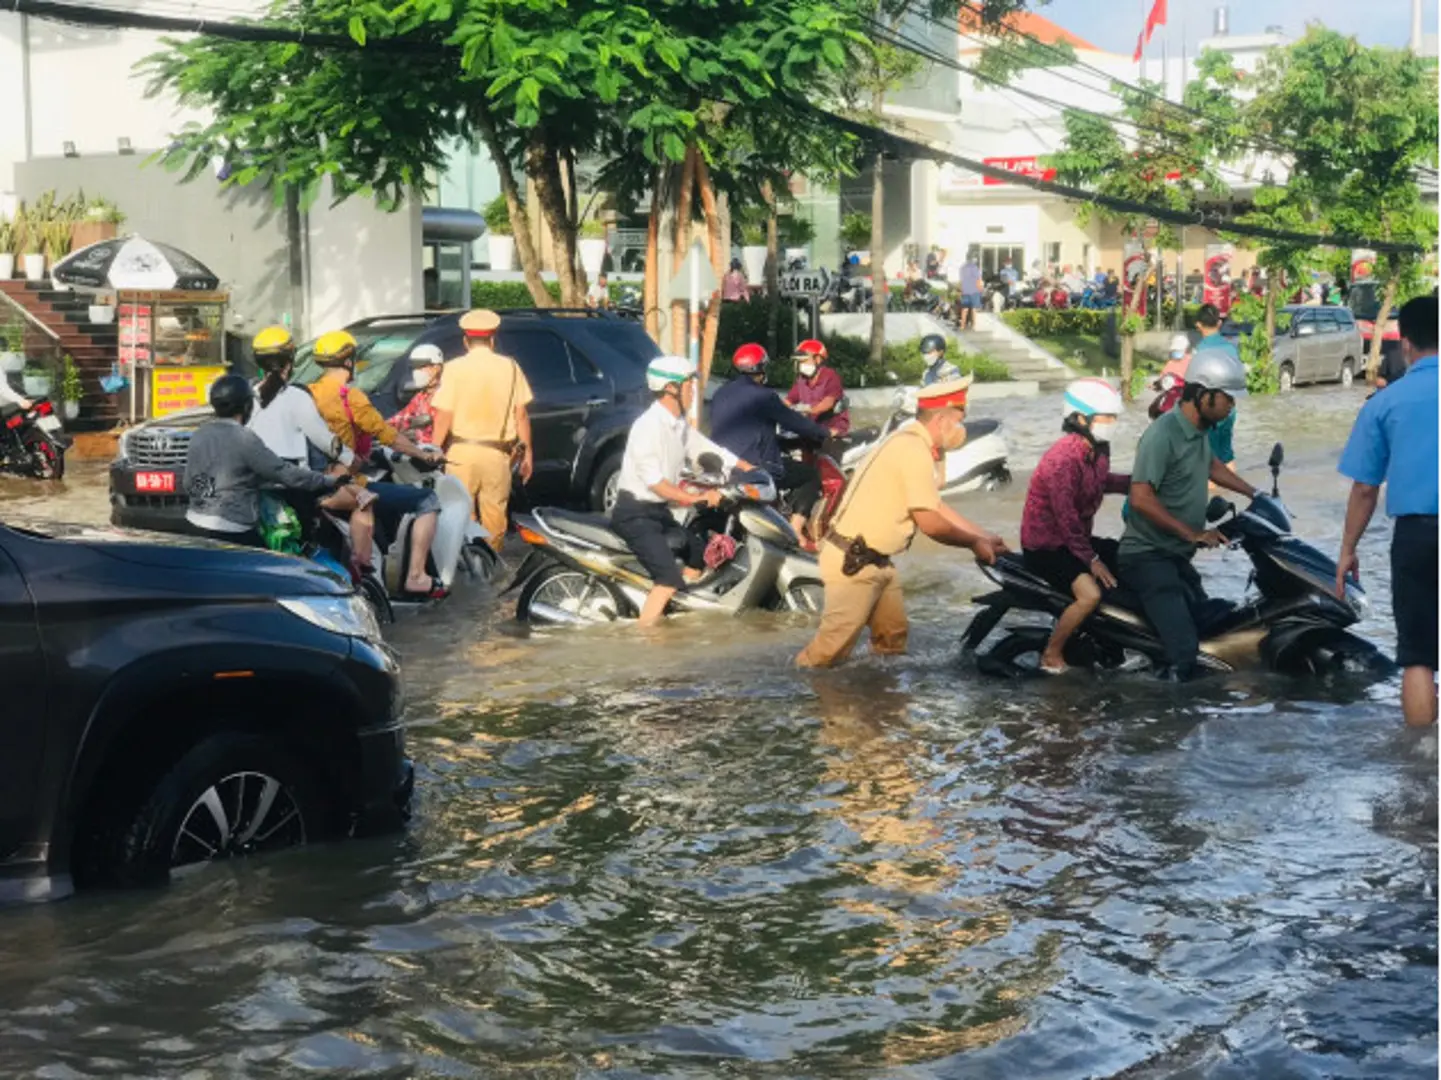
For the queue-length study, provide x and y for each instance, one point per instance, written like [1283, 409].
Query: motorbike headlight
[1357, 601]
[350, 615]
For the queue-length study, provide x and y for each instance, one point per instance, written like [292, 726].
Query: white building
[77, 118]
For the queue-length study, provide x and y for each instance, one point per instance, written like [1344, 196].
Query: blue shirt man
[1222, 436]
[745, 414]
[1394, 442]
[971, 278]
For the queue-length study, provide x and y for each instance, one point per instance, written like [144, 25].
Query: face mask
[954, 438]
[1103, 430]
[808, 370]
[932, 359]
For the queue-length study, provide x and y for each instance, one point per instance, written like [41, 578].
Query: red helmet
[811, 348]
[750, 358]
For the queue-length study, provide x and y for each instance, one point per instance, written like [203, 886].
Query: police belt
[858, 554]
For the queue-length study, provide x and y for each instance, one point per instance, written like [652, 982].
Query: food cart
[172, 347]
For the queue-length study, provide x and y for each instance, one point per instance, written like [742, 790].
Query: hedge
[1086, 322]
[506, 294]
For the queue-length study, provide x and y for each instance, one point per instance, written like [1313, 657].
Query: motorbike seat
[976, 429]
[594, 528]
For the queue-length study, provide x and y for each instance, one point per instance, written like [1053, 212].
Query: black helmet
[933, 343]
[231, 396]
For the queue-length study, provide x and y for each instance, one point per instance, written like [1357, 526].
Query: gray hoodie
[224, 469]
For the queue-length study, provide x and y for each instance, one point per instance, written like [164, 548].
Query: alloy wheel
[242, 814]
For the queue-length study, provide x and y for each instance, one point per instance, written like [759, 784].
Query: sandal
[437, 591]
[1046, 669]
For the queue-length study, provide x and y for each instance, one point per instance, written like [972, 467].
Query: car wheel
[1348, 372]
[605, 484]
[1288, 378]
[231, 795]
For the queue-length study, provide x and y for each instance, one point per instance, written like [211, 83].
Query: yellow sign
[174, 389]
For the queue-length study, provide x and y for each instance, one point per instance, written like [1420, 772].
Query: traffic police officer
[481, 408]
[896, 492]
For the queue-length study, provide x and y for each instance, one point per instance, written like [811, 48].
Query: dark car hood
[194, 565]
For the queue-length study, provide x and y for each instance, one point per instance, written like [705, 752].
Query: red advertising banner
[1217, 288]
[1022, 166]
[1133, 277]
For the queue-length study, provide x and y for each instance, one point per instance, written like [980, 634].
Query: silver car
[1322, 345]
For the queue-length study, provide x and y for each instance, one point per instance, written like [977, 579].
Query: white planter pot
[7, 265]
[792, 254]
[12, 363]
[592, 256]
[36, 385]
[34, 267]
[102, 313]
[502, 252]
[70, 410]
[753, 258]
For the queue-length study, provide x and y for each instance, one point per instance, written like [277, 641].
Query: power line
[114, 19]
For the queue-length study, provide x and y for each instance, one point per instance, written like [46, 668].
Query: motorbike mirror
[1278, 456]
[1218, 508]
[710, 463]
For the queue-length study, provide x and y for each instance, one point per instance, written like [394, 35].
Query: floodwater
[674, 855]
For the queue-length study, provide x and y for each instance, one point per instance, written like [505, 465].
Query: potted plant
[32, 244]
[7, 250]
[592, 246]
[856, 232]
[497, 227]
[753, 249]
[36, 380]
[102, 309]
[71, 389]
[12, 347]
[57, 243]
[100, 220]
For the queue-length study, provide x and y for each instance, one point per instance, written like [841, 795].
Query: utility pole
[1416, 27]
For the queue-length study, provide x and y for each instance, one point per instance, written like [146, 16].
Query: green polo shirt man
[1169, 495]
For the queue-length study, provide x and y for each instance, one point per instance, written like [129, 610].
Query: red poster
[1022, 166]
[1217, 288]
[1133, 277]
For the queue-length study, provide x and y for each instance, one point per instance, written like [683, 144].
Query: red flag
[1156, 18]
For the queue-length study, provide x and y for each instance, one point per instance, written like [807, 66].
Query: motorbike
[979, 465]
[847, 293]
[580, 572]
[927, 297]
[1293, 622]
[31, 441]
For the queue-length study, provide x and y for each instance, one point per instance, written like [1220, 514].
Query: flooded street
[675, 855]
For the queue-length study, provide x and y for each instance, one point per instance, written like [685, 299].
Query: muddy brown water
[671, 854]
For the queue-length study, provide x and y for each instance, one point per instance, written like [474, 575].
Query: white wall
[363, 261]
[986, 221]
[12, 92]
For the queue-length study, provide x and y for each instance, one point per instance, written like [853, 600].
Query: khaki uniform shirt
[481, 390]
[898, 479]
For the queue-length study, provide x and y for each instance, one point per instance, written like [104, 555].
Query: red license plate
[155, 481]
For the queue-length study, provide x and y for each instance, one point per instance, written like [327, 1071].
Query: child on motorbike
[1065, 492]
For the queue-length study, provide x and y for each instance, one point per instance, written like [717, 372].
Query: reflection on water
[675, 855]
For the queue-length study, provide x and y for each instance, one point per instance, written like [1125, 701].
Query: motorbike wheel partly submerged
[806, 597]
[480, 561]
[47, 462]
[561, 595]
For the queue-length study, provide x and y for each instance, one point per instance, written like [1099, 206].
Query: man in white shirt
[658, 447]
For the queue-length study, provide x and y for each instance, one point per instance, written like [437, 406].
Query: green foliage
[70, 385]
[12, 336]
[506, 294]
[795, 231]
[591, 229]
[1048, 322]
[497, 216]
[856, 231]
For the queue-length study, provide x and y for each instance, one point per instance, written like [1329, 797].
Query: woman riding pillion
[660, 443]
[287, 421]
[1065, 492]
[350, 416]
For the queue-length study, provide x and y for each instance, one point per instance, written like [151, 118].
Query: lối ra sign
[805, 282]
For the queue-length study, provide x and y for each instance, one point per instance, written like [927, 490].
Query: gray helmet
[933, 343]
[1217, 369]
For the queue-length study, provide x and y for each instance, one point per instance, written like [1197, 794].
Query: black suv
[586, 368]
[170, 703]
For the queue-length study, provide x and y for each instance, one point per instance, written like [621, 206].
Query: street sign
[805, 282]
[694, 281]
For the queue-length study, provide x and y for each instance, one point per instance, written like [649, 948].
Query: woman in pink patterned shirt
[1061, 503]
[417, 419]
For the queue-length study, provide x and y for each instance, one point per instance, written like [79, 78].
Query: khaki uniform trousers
[485, 472]
[872, 598]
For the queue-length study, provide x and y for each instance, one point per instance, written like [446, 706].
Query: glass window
[1053, 254]
[1305, 324]
[542, 355]
[377, 349]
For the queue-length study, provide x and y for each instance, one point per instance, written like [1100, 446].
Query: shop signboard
[1217, 287]
[175, 389]
[1133, 276]
[1363, 264]
[1021, 166]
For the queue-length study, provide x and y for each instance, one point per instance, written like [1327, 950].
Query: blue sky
[1114, 25]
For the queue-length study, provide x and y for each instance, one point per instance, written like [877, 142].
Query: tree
[1357, 122]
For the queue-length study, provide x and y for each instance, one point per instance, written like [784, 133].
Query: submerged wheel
[1288, 378]
[1348, 372]
[46, 462]
[997, 479]
[808, 597]
[480, 560]
[231, 795]
[559, 591]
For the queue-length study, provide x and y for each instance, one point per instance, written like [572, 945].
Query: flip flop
[1046, 669]
[437, 591]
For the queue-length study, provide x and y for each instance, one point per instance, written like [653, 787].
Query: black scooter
[1292, 623]
[32, 442]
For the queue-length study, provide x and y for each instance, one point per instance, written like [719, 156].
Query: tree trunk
[1273, 289]
[572, 213]
[1383, 316]
[679, 244]
[650, 290]
[1160, 289]
[773, 269]
[519, 220]
[718, 252]
[542, 166]
[881, 288]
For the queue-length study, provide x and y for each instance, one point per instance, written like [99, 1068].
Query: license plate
[49, 423]
[155, 481]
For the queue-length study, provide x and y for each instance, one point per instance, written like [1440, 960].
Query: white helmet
[1091, 397]
[664, 370]
[426, 356]
[1180, 346]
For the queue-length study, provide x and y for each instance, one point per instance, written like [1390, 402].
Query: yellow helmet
[272, 340]
[335, 349]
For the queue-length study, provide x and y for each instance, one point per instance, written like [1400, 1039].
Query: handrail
[30, 315]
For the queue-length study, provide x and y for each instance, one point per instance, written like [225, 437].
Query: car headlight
[347, 615]
[124, 448]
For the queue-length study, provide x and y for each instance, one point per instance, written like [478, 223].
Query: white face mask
[808, 370]
[932, 358]
[1103, 430]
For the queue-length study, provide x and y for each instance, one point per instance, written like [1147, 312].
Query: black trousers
[1413, 589]
[656, 539]
[802, 482]
[1171, 595]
